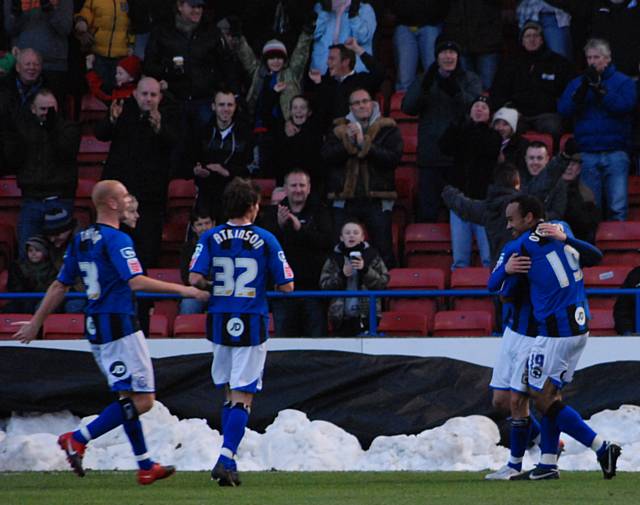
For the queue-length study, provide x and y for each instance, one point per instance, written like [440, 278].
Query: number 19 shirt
[241, 261]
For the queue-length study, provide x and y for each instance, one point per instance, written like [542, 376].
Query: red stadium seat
[604, 277]
[409, 132]
[165, 274]
[428, 245]
[545, 138]
[266, 188]
[63, 327]
[173, 238]
[92, 109]
[167, 308]
[462, 323]
[181, 199]
[406, 178]
[7, 326]
[602, 323]
[404, 324]
[415, 278]
[91, 171]
[92, 150]
[158, 326]
[634, 191]
[10, 194]
[471, 278]
[618, 235]
[190, 326]
[395, 109]
[83, 203]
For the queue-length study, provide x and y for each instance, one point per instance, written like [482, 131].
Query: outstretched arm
[144, 283]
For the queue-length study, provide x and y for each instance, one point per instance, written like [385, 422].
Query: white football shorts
[126, 363]
[555, 358]
[509, 372]
[240, 367]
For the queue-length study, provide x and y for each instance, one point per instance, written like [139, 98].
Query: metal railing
[371, 295]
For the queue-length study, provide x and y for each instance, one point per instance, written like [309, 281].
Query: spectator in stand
[602, 102]
[297, 145]
[142, 129]
[554, 22]
[338, 21]
[513, 147]
[362, 153]
[532, 81]
[302, 225]
[624, 310]
[543, 179]
[190, 57]
[130, 215]
[126, 79]
[615, 21]
[19, 87]
[143, 16]
[45, 27]
[275, 80]
[224, 151]
[582, 213]
[419, 23]
[476, 25]
[59, 228]
[33, 274]
[475, 148]
[42, 148]
[332, 89]
[199, 222]
[490, 211]
[444, 94]
[353, 265]
[103, 30]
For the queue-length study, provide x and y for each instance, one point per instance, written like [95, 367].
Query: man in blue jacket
[602, 101]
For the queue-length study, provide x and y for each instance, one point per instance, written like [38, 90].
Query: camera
[355, 255]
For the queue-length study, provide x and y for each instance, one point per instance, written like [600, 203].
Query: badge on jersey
[134, 266]
[195, 256]
[286, 269]
[128, 253]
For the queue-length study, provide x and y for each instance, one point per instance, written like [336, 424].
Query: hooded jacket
[108, 20]
[368, 172]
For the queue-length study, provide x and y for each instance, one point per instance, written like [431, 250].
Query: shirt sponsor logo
[118, 369]
[134, 266]
[196, 255]
[235, 327]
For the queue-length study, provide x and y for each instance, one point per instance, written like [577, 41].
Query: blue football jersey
[241, 261]
[105, 259]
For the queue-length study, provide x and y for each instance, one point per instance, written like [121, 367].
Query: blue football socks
[110, 418]
[233, 432]
[133, 429]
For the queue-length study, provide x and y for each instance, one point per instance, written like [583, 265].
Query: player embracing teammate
[548, 260]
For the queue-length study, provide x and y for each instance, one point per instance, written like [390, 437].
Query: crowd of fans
[288, 89]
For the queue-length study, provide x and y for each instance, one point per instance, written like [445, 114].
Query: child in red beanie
[127, 76]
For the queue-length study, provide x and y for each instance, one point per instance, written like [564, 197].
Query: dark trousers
[300, 317]
[430, 186]
[148, 233]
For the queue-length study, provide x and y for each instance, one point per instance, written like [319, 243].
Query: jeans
[606, 174]
[31, 218]
[462, 233]
[376, 221]
[485, 65]
[557, 39]
[192, 306]
[300, 317]
[408, 46]
[140, 44]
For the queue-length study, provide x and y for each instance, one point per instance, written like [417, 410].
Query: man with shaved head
[142, 129]
[105, 258]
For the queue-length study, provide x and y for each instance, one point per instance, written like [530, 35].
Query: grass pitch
[285, 488]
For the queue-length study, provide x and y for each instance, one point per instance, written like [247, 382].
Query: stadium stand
[462, 323]
[404, 324]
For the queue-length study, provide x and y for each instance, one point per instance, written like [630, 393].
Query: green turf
[269, 488]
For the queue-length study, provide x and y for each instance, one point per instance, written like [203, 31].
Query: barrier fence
[371, 295]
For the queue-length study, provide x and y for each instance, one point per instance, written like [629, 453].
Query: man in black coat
[532, 81]
[142, 129]
[302, 224]
[41, 148]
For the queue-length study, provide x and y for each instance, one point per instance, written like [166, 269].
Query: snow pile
[294, 443]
